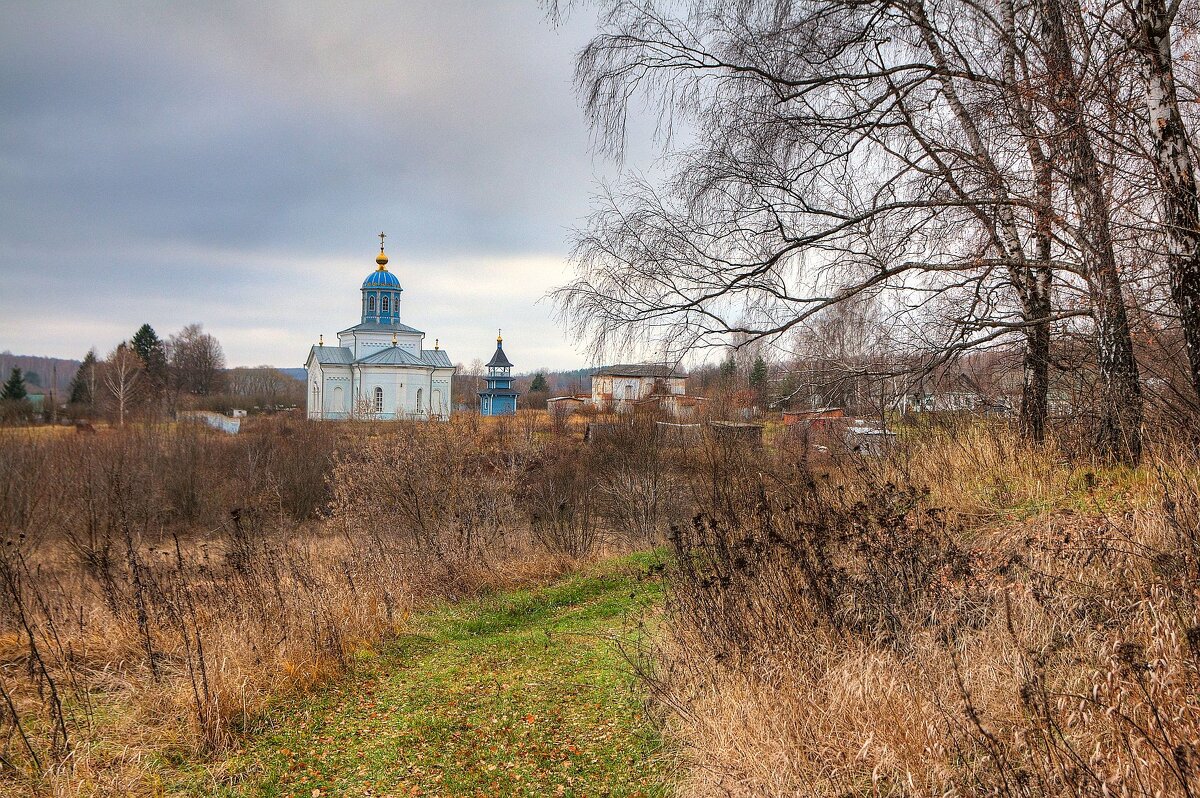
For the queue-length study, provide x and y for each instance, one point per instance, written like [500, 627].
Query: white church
[380, 368]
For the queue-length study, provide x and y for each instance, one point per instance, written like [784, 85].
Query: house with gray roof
[619, 387]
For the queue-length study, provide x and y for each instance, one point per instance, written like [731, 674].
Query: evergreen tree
[146, 342]
[81, 391]
[153, 353]
[758, 374]
[14, 389]
[539, 382]
[728, 369]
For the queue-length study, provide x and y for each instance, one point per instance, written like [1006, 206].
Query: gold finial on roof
[393, 339]
[436, 347]
[382, 258]
[499, 338]
[321, 340]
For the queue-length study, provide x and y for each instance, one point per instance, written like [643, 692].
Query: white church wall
[314, 393]
[365, 344]
[399, 388]
[337, 394]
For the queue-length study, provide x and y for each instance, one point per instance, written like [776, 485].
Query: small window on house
[386, 304]
[419, 397]
[371, 304]
[378, 400]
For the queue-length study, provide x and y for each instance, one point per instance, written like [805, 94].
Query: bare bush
[1023, 626]
[434, 489]
[560, 495]
[165, 583]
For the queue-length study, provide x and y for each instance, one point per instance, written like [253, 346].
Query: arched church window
[386, 304]
[419, 392]
[378, 400]
[371, 304]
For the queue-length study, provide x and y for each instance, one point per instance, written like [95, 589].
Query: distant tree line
[147, 377]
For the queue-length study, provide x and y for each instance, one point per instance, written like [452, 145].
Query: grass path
[519, 693]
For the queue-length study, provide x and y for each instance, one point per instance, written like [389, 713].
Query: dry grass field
[967, 615]
[164, 585]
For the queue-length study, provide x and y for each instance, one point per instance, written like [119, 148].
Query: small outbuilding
[618, 387]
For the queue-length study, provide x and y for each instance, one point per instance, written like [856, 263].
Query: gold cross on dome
[381, 237]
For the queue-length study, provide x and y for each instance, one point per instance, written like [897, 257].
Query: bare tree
[943, 153]
[197, 361]
[1152, 22]
[122, 376]
[1121, 398]
[265, 385]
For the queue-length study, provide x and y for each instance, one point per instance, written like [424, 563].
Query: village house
[958, 393]
[616, 388]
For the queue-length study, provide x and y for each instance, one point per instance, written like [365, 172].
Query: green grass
[517, 693]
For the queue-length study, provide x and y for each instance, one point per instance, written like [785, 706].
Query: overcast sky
[231, 164]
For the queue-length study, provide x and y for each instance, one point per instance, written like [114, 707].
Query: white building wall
[345, 388]
[403, 387]
[365, 344]
[337, 393]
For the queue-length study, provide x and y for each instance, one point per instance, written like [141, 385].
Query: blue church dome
[381, 279]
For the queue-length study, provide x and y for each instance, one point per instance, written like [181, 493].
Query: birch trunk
[1120, 395]
[1174, 170]
[1030, 279]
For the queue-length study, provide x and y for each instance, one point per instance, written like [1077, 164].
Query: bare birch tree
[1151, 23]
[122, 377]
[977, 161]
[843, 148]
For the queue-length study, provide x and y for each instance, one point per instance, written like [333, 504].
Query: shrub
[846, 635]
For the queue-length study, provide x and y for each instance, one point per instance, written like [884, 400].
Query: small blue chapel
[500, 398]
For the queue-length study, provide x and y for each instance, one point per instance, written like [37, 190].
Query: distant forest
[43, 372]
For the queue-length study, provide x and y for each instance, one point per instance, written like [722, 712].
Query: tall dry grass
[164, 585]
[969, 616]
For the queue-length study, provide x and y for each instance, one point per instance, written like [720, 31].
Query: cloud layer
[231, 163]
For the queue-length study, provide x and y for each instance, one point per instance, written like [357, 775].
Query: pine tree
[758, 374]
[153, 353]
[728, 369]
[539, 382]
[146, 342]
[14, 389]
[81, 391]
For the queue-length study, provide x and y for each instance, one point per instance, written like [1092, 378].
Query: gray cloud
[230, 163]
